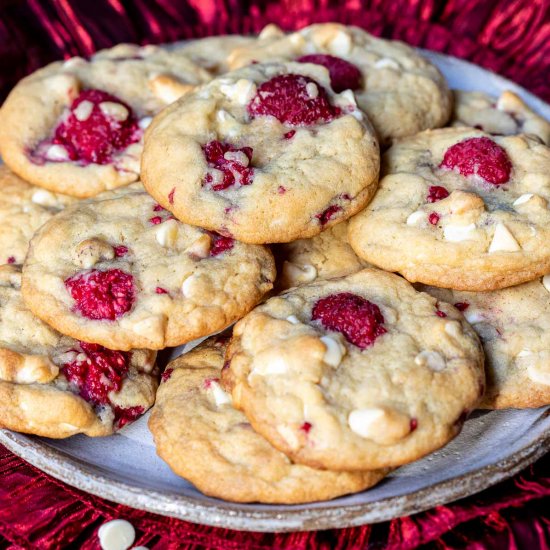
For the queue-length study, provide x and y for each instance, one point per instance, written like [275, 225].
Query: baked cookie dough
[514, 327]
[208, 442]
[324, 256]
[265, 154]
[54, 386]
[401, 92]
[361, 372]
[458, 208]
[123, 273]
[508, 115]
[76, 127]
[23, 209]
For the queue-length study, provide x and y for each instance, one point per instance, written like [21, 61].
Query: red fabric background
[511, 37]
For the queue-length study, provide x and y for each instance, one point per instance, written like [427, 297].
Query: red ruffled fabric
[39, 512]
[511, 37]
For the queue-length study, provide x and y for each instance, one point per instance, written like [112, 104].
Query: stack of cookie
[261, 173]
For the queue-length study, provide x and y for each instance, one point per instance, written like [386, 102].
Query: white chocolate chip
[167, 233]
[144, 122]
[456, 233]
[81, 357]
[216, 175]
[220, 396]
[299, 273]
[237, 156]
[241, 92]
[89, 252]
[35, 371]
[269, 365]
[503, 240]
[387, 63]
[84, 110]
[57, 153]
[152, 327]
[546, 282]
[334, 352]
[117, 534]
[68, 427]
[74, 62]
[538, 370]
[114, 110]
[312, 90]
[201, 247]
[187, 286]
[416, 217]
[270, 31]
[453, 329]
[431, 359]
[293, 319]
[44, 198]
[297, 40]
[288, 434]
[523, 199]
[383, 426]
[473, 316]
[341, 44]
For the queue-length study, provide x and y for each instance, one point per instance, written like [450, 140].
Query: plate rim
[82, 475]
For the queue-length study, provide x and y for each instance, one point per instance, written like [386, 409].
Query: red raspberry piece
[462, 306]
[359, 320]
[281, 190]
[437, 193]
[434, 218]
[221, 244]
[481, 156]
[171, 195]
[155, 220]
[286, 98]
[11, 260]
[305, 427]
[120, 251]
[125, 416]
[160, 290]
[343, 74]
[100, 373]
[207, 383]
[166, 375]
[413, 424]
[102, 294]
[158, 208]
[440, 313]
[234, 172]
[100, 136]
[290, 134]
[326, 215]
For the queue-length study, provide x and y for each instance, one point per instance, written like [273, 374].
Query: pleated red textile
[511, 37]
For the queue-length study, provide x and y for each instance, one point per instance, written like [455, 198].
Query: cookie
[211, 53]
[208, 442]
[54, 386]
[264, 154]
[458, 208]
[508, 115]
[23, 209]
[125, 274]
[514, 327]
[324, 256]
[401, 92]
[76, 127]
[356, 373]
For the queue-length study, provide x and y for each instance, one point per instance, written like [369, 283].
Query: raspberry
[102, 294]
[97, 138]
[413, 424]
[158, 208]
[235, 171]
[481, 156]
[462, 306]
[11, 259]
[120, 251]
[305, 427]
[100, 373]
[293, 99]
[440, 313]
[155, 220]
[437, 193]
[326, 215]
[171, 195]
[290, 134]
[434, 218]
[160, 290]
[207, 383]
[359, 320]
[220, 244]
[125, 416]
[343, 74]
[166, 375]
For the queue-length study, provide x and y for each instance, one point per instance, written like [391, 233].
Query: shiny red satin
[511, 37]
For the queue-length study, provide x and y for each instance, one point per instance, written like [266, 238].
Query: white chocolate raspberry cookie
[514, 327]
[508, 115]
[125, 274]
[54, 386]
[460, 209]
[355, 373]
[208, 442]
[401, 92]
[212, 52]
[265, 154]
[23, 209]
[76, 127]
[324, 256]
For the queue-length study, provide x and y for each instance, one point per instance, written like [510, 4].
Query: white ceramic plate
[124, 467]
